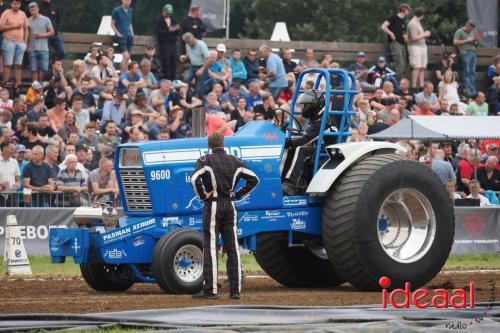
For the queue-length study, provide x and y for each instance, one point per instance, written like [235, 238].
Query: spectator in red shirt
[424, 109]
[466, 169]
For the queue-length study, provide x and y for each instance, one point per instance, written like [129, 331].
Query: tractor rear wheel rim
[406, 225]
[188, 263]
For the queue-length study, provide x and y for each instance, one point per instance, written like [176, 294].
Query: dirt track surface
[74, 296]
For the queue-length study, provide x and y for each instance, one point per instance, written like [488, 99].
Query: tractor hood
[154, 177]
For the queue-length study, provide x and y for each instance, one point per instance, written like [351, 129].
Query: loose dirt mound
[74, 296]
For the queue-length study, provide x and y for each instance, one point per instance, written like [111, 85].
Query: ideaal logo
[473, 226]
[439, 298]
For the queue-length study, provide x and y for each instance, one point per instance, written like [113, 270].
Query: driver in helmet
[299, 149]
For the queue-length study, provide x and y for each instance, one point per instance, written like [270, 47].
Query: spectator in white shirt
[474, 188]
[5, 101]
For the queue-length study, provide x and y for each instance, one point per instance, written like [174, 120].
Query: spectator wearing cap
[395, 28]
[14, 25]
[221, 58]
[380, 73]
[167, 32]
[196, 54]
[193, 24]
[136, 120]
[447, 61]
[149, 77]
[494, 97]
[360, 71]
[491, 150]
[40, 30]
[231, 97]
[50, 10]
[88, 100]
[36, 90]
[71, 182]
[121, 23]
[115, 110]
[102, 72]
[275, 71]
[140, 103]
[417, 48]
[466, 43]
[9, 174]
[238, 70]
[133, 75]
[150, 54]
[23, 157]
[179, 128]
[39, 177]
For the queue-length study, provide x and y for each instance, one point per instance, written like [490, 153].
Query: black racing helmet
[312, 102]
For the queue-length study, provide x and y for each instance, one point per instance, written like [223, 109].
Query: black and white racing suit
[220, 173]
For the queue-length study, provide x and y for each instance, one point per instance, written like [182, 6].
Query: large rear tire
[104, 277]
[388, 216]
[293, 266]
[178, 262]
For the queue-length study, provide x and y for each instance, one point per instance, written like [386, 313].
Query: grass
[41, 266]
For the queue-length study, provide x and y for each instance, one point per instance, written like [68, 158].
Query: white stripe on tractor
[213, 249]
[214, 182]
[235, 232]
[294, 161]
[193, 180]
[171, 156]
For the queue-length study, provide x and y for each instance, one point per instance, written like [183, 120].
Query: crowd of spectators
[60, 134]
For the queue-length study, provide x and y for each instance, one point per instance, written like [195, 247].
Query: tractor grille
[135, 189]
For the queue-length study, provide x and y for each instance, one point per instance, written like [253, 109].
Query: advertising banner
[476, 229]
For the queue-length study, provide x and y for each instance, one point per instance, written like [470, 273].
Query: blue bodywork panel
[158, 197]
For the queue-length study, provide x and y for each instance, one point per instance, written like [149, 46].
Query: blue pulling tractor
[367, 211]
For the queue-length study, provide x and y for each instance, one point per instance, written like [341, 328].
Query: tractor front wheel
[178, 262]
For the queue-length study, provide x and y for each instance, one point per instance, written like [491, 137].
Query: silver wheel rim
[188, 263]
[406, 225]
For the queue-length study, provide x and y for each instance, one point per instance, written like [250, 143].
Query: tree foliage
[322, 20]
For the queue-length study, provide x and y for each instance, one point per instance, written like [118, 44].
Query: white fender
[324, 178]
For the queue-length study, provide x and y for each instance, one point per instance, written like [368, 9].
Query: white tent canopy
[443, 128]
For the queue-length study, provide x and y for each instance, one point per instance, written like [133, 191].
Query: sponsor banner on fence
[476, 229]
